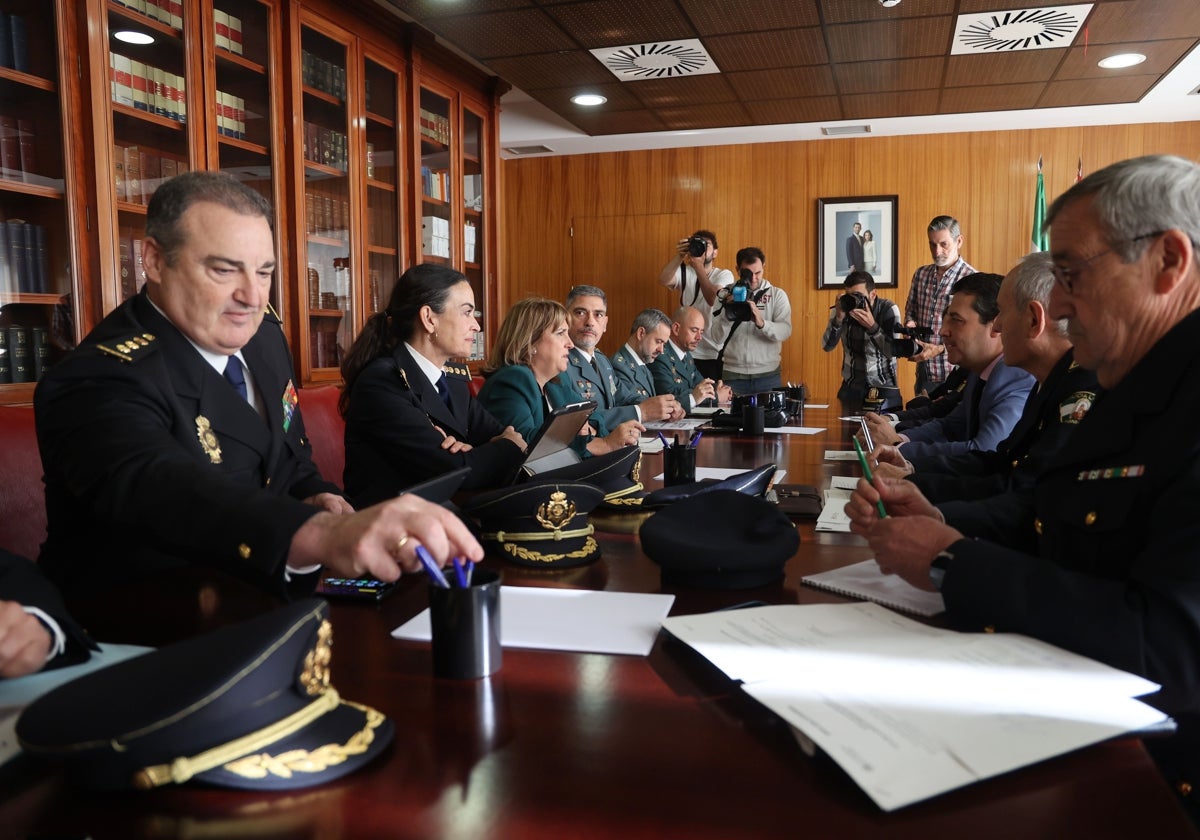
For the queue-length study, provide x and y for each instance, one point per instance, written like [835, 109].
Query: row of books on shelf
[18, 149]
[137, 171]
[228, 31]
[322, 75]
[325, 350]
[435, 183]
[145, 87]
[14, 42]
[129, 250]
[25, 353]
[329, 283]
[231, 115]
[326, 215]
[435, 236]
[435, 126]
[326, 146]
[24, 264]
[169, 12]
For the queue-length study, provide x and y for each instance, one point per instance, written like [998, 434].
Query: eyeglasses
[1066, 276]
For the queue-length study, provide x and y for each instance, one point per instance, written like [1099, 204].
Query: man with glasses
[1116, 575]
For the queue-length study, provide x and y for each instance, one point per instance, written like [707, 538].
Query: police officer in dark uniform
[1116, 573]
[172, 437]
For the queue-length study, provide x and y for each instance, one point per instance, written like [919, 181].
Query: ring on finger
[403, 541]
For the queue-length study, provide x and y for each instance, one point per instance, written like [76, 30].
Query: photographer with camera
[865, 325]
[751, 320]
[693, 272]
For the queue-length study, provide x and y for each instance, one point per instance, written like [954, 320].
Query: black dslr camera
[697, 246]
[737, 305]
[853, 300]
[906, 345]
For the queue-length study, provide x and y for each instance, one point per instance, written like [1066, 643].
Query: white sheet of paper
[865, 580]
[706, 410]
[833, 517]
[569, 619]
[911, 711]
[686, 424]
[843, 482]
[722, 473]
[796, 430]
[816, 405]
[650, 444]
[841, 455]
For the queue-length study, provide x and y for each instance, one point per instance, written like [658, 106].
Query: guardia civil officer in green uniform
[1116, 570]
[649, 334]
[173, 442]
[675, 370]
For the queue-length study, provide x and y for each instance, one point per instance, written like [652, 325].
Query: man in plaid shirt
[929, 297]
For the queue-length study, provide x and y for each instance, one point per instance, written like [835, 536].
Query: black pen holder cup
[795, 409]
[753, 419]
[679, 465]
[465, 626]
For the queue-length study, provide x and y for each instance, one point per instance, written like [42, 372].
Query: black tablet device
[551, 445]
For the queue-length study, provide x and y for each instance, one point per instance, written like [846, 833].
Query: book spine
[6, 59]
[28, 145]
[28, 259]
[133, 175]
[8, 283]
[41, 260]
[235, 35]
[139, 85]
[5, 361]
[125, 257]
[40, 351]
[20, 354]
[221, 25]
[20, 43]
[10, 148]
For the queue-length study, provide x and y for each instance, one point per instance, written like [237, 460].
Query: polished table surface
[566, 745]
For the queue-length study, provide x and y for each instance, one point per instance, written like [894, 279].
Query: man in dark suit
[1115, 574]
[854, 250]
[591, 372]
[172, 436]
[995, 392]
[36, 631]
[675, 371]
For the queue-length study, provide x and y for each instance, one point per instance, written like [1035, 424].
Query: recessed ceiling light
[1116, 62]
[131, 37]
[589, 99]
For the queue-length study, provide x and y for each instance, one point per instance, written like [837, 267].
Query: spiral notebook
[864, 580]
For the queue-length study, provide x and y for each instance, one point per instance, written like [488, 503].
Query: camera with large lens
[904, 344]
[737, 306]
[853, 300]
[697, 246]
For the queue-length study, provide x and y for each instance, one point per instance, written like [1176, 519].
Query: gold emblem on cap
[1090, 519]
[635, 475]
[555, 512]
[208, 439]
[315, 676]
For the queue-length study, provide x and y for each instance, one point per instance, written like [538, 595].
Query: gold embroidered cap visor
[246, 706]
[542, 523]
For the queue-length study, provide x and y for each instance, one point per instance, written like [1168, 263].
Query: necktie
[236, 377]
[443, 389]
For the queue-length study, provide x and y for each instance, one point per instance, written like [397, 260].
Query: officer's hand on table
[907, 545]
[662, 407]
[704, 391]
[900, 498]
[882, 430]
[24, 641]
[381, 541]
[887, 460]
[626, 434]
[331, 502]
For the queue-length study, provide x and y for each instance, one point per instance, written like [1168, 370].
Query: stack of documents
[911, 711]
[833, 515]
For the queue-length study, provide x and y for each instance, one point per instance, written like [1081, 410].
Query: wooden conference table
[565, 745]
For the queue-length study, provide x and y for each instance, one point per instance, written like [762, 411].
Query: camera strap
[683, 286]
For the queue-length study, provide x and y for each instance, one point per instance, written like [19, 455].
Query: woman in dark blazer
[410, 415]
[524, 376]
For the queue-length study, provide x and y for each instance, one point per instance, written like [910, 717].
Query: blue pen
[470, 568]
[459, 573]
[663, 438]
[695, 440]
[431, 568]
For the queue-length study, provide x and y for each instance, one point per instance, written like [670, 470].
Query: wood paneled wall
[766, 195]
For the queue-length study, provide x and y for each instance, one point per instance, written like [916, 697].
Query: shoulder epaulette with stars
[130, 348]
[456, 369]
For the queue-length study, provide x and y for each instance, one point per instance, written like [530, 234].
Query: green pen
[862, 459]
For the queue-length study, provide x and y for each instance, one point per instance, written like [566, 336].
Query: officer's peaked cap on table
[542, 523]
[245, 706]
[616, 473]
[720, 540]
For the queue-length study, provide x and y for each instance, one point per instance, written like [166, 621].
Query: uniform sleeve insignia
[1075, 407]
[404, 379]
[290, 400]
[208, 439]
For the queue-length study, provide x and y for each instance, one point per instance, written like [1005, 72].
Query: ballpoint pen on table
[862, 459]
[695, 440]
[431, 568]
[459, 574]
[663, 438]
[868, 443]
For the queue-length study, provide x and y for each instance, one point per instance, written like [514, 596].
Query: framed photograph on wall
[856, 233]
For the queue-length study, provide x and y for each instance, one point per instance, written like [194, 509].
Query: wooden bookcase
[223, 85]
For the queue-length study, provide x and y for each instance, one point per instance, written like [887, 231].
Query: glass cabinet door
[381, 95]
[473, 202]
[329, 327]
[437, 177]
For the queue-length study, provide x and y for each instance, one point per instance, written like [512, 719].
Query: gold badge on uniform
[208, 439]
[1075, 407]
[556, 511]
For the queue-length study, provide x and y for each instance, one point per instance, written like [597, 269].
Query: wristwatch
[937, 569]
